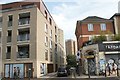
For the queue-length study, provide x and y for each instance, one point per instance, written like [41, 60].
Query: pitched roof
[94, 18]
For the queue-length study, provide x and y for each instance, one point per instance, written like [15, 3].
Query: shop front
[18, 70]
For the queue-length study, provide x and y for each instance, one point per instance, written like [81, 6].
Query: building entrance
[91, 66]
[18, 70]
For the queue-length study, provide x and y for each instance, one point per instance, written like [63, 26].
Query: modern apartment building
[71, 47]
[31, 40]
[116, 20]
[92, 26]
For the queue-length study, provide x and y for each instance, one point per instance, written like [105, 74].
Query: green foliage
[71, 61]
[116, 37]
[98, 39]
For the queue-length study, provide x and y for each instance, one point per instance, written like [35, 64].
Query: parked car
[62, 72]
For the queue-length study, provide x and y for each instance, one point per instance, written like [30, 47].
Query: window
[51, 57]
[46, 14]
[50, 43]
[8, 53]
[46, 54]
[55, 29]
[50, 21]
[46, 28]
[50, 33]
[90, 27]
[103, 26]
[46, 41]
[10, 20]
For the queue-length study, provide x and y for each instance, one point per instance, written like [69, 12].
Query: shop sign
[112, 47]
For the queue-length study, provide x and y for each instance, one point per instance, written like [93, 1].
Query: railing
[24, 21]
[9, 23]
[8, 55]
[9, 38]
[22, 54]
[24, 37]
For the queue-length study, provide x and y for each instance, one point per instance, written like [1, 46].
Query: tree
[71, 61]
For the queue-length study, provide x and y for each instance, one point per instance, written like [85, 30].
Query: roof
[116, 14]
[94, 19]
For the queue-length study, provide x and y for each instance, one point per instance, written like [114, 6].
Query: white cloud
[66, 15]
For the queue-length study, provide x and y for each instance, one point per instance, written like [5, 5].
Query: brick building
[92, 26]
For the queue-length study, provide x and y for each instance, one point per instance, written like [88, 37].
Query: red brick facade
[82, 33]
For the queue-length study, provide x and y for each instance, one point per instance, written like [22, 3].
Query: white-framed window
[90, 27]
[51, 57]
[46, 54]
[46, 40]
[46, 28]
[50, 43]
[50, 33]
[103, 26]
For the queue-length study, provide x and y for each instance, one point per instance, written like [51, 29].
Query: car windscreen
[61, 69]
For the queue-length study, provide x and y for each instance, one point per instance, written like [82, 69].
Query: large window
[51, 57]
[103, 26]
[8, 53]
[90, 27]
[46, 41]
[46, 28]
[51, 44]
[46, 54]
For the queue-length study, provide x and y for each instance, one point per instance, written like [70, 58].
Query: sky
[67, 12]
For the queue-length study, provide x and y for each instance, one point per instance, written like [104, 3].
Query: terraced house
[30, 39]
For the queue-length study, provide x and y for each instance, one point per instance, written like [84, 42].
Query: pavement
[53, 76]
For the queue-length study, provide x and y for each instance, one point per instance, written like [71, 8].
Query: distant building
[31, 40]
[92, 26]
[119, 7]
[116, 23]
[71, 47]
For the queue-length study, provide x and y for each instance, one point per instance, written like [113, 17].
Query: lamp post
[29, 73]
[78, 60]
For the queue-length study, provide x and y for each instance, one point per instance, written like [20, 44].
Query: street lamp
[78, 61]
[29, 73]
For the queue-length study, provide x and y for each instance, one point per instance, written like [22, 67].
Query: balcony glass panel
[23, 51]
[8, 55]
[24, 37]
[9, 38]
[24, 21]
[22, 54]
[9, 23]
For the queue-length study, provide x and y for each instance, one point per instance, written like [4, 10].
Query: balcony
[22, 54]
[25, 21]
[25, 37]
[9, 23]
[9, 38]
[8, 55]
